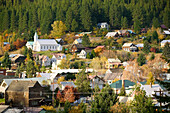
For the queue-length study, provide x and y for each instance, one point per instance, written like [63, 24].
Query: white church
[43, 44]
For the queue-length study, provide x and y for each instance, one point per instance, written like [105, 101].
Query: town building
[163, 42]
[43, 44]
[24, 93]
[103, 25]
[129, 47]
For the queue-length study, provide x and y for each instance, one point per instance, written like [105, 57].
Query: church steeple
[35, 37]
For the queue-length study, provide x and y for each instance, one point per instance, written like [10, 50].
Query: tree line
[82, 15]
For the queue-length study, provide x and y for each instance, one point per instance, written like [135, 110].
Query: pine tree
[13, 21]
[6, 22]
[85, 40]
[137, 26]
[146, 48]
[152, 57]
[155, 36]
[63, 50]
[20, 21]
[155, 22]
[67, 107]
[142, 103]
[69, 18]
[141, 59]
[24, 23]
[6, 62]
[25, 51]
[88, 55]
[85, 16]
[103, 100]
[83, 85]
[74, 25]
[17, 74]
[93, 54]
[30, 54]
[166, 52]
[30, 69]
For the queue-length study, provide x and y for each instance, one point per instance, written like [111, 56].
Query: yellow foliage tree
[120, 41]
[59, 29]
[1, 41]
[150, 79]
[60, 79]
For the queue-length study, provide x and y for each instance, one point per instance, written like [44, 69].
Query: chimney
[123, 83]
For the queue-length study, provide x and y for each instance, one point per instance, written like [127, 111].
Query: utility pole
[53, 94]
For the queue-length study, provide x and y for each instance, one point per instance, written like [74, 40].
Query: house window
[41, 47]
[40, 93]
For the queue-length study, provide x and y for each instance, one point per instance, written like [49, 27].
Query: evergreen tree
[93, 54]
[155, 22]
[137, 26]
[155, 36]
[69, 18]
[141, 59]
[25, 51]
[146, 48]
[24, 23]
[83, 84]
[85, 40]
[17, 74]
[103, 100]
[163, 97]
[166, 52]
[13, 21]
[88, 55]
[67, 107]
[122, 92]
[30, 69]
[20, 21]
[22, 67]
[85, 16]
[142, 103]
[6, 22]
[6, 62]
[124, 23]
[30, 53]
[74, 25]
[152, 57]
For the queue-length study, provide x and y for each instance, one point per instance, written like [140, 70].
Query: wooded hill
[82, 15]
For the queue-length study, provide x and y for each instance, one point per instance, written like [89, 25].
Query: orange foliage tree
[7, 47]
[68, 94]
[19, 43]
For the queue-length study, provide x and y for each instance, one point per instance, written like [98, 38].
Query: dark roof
[17, 85]
[111, 76]
[118, 84]
[79, 46]
[163, 26]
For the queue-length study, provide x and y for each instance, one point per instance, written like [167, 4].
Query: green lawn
[2, 100]
[48, 53]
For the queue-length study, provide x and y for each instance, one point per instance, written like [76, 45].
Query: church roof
[47, 41]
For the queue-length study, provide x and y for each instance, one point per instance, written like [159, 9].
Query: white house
[82, 54]
[164, 42]
[112, 34]
[29, 44]
[103, 25]
[56, 59]
[44, 44]
[129, 47]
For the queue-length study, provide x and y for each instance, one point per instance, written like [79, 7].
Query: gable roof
[127, 44]
[149, 91]
[31, 42]
[39, 79]
[166, 32]
[111, 34]
[43, 57]
[47, 41]
[140, 45]
[79, 46]
[118, 84]
[21, 85]
[113, 60]
[122, 31]
[58, 55]
[164, 41]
